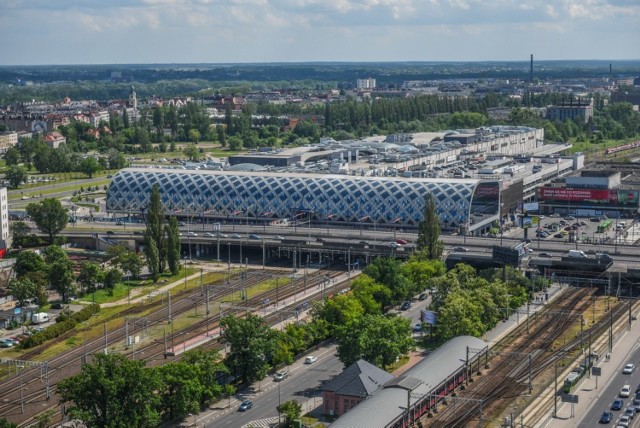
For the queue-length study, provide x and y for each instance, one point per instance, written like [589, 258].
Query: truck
[39, 318]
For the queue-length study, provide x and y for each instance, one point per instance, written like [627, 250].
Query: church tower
[133, 101]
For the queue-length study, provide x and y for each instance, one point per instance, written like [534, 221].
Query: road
[611, 391]
[302, 385]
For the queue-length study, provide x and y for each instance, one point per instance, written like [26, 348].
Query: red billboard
[601, 196]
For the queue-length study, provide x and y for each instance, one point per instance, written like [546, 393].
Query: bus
[604, 226]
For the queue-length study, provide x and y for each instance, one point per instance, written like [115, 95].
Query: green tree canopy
[29, 261]
[172, 233]
[429, 230]
[49, 216]
[252, 344]
[113, 391]
[15, 175]
[377, 339]
[90, 166]
[90, 274]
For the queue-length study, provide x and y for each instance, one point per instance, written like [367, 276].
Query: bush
[66, 321]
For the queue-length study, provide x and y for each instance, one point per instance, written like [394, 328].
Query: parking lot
[587, 230]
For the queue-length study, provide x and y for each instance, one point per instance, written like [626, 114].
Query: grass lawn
[33, 189]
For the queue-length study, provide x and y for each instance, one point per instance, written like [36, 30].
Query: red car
[401, 242]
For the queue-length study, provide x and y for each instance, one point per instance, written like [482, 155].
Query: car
[222, 235]
[636, 404]
[310, 359]
[245, 405]
[405, 305]
[460, 249]
[555, 215]
[628, 369]
[4, 343]
[569, 218]
[320, 239]
[417, 327]
[624, 420]
[280, 376]
[617, 404]
[182, 223]
[119, 223]
[558, 235]
[544, 255]
[24, 198]
[630, 411]
[278, 238]
[625, 391]
[192, 234]
[422, 296]
[606, 417]
[236, 236]
[394, 245]
[138, 232]
[401, 241]
[255, 237]
[110, 232]
[210, 235]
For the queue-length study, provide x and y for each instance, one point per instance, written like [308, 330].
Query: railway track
[31, 383]
[509, 375]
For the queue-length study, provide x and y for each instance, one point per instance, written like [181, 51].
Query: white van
[577, 254]
[40, 318]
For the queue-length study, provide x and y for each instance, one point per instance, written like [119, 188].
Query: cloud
[254, 30]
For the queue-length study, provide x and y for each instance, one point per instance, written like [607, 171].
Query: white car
[192, 234]
[628, 369]
[394, 245]
[210, 235]
[625, 391]
[310, 359]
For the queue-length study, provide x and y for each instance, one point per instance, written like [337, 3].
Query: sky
[241, 31]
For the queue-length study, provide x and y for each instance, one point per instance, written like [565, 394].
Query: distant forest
[165, 80]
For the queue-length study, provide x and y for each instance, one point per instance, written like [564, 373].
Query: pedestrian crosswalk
[268, 422]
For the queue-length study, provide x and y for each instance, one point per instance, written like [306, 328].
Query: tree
[22, 290]
[19, 232]
[113, 391]
[61, 278]
[388, 272]
[210, 367]
[132, 263]
[191, 152]
[252, 344]
[4, 423]
[172, 233]
[181, 389]
[153, 257]
[90, 166]
[15, 175]
[194, 135]
[339, 311]
[155, 232]
[371, 295]
[49, 216]
[377, 339]
[111, 278]
[292, 411]
[90, 274]
[429, 230]
[29, 261]
[125, 118]
[12, 156]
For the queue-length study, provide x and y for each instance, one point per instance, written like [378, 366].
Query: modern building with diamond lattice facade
[336, 198]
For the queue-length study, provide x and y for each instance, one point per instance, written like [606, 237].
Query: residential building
[8, 139]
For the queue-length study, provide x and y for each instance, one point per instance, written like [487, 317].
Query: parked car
[417, 327]
[406, 305]
[460, 249]
[310, 359]
[245, 405]
[422, 296]
[4, 343]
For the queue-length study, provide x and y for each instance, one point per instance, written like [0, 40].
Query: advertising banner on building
[597, 196]
[531, 206]
[628, 197]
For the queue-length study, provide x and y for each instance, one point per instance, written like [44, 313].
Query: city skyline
[252, 31]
